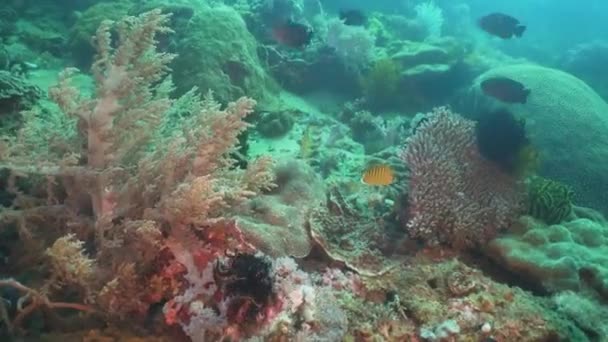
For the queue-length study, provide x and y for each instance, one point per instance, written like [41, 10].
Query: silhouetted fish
[292, 34]
[501, 25]
[353, 17]
[505, 90]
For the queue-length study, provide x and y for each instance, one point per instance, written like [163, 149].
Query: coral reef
[349, 238]
[136, 199]
[456, 197]
[275, 124]
[590, 316]
[217, 42]
[431, 18]
[565, 121]
[7, 24]
[448, 296]
[380, 84]
[275, 221]
[375, 133]
[16, 95]
[429, 72]
[389, 28]
[354, 44]
[149, 198]
[566, 256]
[548, 200]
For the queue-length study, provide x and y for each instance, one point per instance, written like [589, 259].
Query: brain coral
[216, 52]
[568, 256]
[568, 122]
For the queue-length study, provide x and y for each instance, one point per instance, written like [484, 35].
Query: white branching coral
[431, 17]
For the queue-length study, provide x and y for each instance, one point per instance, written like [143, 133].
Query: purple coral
[456, 197]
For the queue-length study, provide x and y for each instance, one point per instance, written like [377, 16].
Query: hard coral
[16, 95]
[567, 114]
[209, 39]
[568, 256]
[275, 222]
[275, 124]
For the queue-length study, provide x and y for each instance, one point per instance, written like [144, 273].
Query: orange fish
[378, 175]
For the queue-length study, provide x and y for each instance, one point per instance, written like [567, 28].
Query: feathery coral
[456, 196]
[134, 171]
[69, 262]
[125, 103]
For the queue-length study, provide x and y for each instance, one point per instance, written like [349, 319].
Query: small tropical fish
[378, 175]
[353, 17]
[306, 143]
[505, 89]
[502, 25]
[292, 34]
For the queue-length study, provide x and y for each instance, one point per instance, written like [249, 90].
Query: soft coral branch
[126, 79]
[139, 160]
[33, 300]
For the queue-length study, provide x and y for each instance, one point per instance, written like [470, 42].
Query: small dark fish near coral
[500, 138]
[505, 90]
[353, 17]
[502, 25]
[292, 34]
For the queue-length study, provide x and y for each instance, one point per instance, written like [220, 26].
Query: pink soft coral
[145, 179]
[455, 195]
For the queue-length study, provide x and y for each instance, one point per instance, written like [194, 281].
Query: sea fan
[431, 17]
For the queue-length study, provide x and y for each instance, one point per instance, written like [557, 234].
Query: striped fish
[380, 175]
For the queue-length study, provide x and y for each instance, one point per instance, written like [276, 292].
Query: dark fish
[502, 25]
[353, 17]
[505, 90]
[292, 34]
[500, 138]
